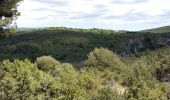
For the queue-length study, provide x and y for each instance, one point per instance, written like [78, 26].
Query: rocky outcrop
[143, 43]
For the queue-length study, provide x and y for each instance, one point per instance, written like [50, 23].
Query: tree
[8, 12]
[102, 57]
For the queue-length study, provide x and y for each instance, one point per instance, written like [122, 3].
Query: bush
[144, 89]
[47, 64]
[142, 85]
[102, 57]
[17, 80]
[108, 94]
[89, 80]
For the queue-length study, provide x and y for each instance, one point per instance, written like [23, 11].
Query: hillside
[41, 62]
[85, 64]
[164, 29]
[72, 45]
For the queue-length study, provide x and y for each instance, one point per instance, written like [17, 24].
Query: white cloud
[94, 13]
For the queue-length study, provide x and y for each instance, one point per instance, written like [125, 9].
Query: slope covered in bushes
[78, 64]
[103, 76]
[72, 45]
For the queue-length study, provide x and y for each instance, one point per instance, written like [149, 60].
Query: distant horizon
[130, 15]
[88, 28]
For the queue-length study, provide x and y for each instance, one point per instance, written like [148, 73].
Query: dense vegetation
[78, 64]
[164, 29]
[72, 45]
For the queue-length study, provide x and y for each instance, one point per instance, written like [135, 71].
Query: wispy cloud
[129, 1]
[112, 14]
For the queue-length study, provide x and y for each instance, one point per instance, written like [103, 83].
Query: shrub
[17, 80]
[102, 57]
[144, 89]
[47, 64]
[67, 74]
[90, 82]
[108, 94]
[23, 80]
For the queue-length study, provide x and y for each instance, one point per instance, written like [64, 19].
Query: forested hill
[165, 29]
[60, 63]
[84, 64]
[72, 45]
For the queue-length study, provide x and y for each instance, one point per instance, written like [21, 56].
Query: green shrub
[144, 89]
[17, 80]
[102, 57]
[47, 64]
[108, 94]
[22, 80]
[142, 84]
[89, 81]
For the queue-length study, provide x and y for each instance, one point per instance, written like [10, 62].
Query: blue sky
[107, 14]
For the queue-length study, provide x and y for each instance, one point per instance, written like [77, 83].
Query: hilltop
[164, 29]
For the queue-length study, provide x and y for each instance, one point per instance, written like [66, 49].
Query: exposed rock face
[142, 43]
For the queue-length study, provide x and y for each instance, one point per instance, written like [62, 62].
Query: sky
[130, 15]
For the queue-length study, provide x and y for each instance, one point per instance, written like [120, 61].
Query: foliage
[164, 29]
[143, 85]
[18, 80]
[105, 58]
[48, 64]
[108, 94]
[8, 12]
[23, 80]
[73, 45]
[137, 70]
